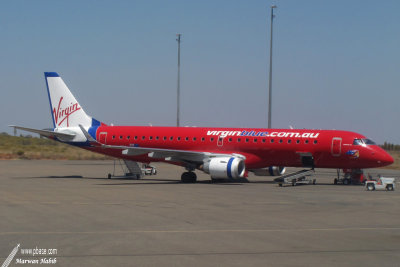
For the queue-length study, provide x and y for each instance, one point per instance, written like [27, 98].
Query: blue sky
[336, 63]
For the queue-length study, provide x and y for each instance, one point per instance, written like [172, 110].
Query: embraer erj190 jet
[221, 152]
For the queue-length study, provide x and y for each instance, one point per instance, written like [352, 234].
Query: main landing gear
[188, 177]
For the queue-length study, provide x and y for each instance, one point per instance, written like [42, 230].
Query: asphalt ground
[74, 212]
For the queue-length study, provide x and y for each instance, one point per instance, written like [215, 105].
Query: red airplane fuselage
[261, 147]
[223, 153]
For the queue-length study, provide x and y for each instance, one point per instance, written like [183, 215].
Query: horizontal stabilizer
[46, 133]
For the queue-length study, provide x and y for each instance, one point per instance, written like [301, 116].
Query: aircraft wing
[46, 133]
[170, 154]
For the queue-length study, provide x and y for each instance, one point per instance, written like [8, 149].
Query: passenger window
[203, 139]
[306, 141]
[194, 138]
[164, 138]
[230, 139]
[255, 140]
[212, 139]
[113, 137]
[171, 138]
[187, 138]
[128, 137]
[272, 140]
[263, 140]
[247, 140]
[135, 137]
[151, 137]
[280, 140]
[289, 141]
[315, 142]
[157, 138]
[239, 140]
[297, 141]
[179, 138]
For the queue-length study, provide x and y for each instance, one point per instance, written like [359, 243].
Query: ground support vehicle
[297, 178]
[132, 169]
[382, 183]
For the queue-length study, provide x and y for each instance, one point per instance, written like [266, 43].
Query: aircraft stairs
[131, 169]
[296, 178]
[134, 168]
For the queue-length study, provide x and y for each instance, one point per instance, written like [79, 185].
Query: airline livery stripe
[271, 171]
[229, 171]
[254, 133]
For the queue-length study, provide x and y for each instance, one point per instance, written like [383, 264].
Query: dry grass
[396, 157]
[13, 147]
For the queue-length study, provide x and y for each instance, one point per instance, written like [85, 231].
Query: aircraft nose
[384, 158]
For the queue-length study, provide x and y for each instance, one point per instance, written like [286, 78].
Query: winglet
[90, 139]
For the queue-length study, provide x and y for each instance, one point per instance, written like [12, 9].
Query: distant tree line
[390, 146]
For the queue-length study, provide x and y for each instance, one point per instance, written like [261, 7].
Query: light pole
[270, 69]
[179, 78]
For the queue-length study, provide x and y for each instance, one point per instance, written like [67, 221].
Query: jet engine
[225, 167]
[269, 171]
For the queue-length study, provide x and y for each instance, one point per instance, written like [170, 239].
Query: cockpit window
[358, 142]
[369, 142]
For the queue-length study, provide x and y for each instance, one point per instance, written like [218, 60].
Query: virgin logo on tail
[62, 114]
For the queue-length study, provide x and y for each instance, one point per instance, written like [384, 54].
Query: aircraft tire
[389, 187]
[109, 176]
[188, 177]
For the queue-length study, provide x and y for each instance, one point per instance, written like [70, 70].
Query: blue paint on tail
[50, 74]
[93, 129]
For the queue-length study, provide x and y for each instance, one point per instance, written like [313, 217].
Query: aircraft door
[336, 146]
[103, 138]
[220, 141]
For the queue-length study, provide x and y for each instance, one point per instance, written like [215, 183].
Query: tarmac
[74, 216]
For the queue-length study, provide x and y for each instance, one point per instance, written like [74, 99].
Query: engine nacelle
[225, 167]
[269, 171]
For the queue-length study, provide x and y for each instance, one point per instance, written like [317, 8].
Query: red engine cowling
[269, 171]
